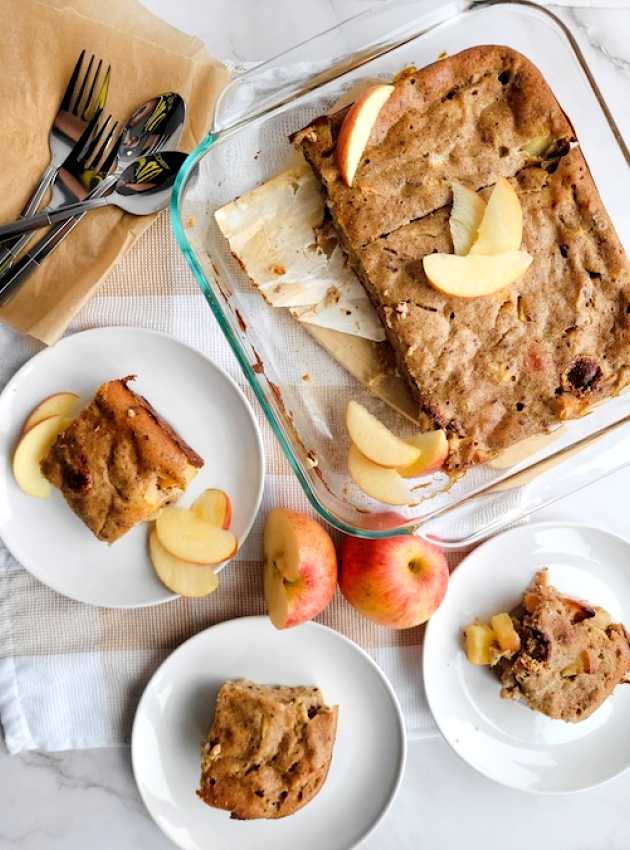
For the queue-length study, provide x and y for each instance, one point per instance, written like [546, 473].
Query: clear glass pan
[249, 144]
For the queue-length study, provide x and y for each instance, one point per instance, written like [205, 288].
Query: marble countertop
[87, 799]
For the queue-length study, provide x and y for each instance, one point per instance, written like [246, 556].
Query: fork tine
[101, 152]
[98, 102]
[86, 76]
[109, 160]
[84, 138]
[88, 99]
[69, 92]
[86, 155]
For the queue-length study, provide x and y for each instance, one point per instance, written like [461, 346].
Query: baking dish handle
[327, 56]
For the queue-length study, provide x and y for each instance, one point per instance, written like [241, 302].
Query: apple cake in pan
[499, 367]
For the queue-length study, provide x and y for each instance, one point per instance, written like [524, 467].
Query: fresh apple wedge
[466, 216]
[214, 507]
[379, 482]
[182, 533]
[433, 447]
[356, 128]
[375, 441]
[476, 274]
[300, 572]
[32, 447]
[59, 404]
[501, 228]
[181, 576]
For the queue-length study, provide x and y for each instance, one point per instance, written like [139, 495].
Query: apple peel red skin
[376, 579]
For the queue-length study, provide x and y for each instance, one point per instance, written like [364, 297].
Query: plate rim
[263, 618]
[105, 329]
[487, 543]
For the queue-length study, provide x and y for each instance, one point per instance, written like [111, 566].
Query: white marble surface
[87, 800]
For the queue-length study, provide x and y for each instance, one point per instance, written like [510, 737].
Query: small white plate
[176, 711]
[201, 402]
[502, 739]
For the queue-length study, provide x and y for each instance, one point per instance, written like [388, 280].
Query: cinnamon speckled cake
[495, 369]
[268, 750]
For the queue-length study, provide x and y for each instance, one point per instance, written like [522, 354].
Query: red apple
[397, 581]
[300, 572]
[356, 128]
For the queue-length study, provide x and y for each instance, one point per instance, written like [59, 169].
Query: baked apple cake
[268, 749]
[562, 656]
[493, 369]
[118, 462]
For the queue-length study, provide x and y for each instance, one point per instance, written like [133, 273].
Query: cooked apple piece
[59, 404]
[501, 228]
[582, 664]
[602, 618]
[379, 482]
[180, 576]
[507, 636]
[31, 449]
[578, 609]
[356, 128]
[433, 447]
[478, 638]
[214, 507]
[182, 533]
[466, 215]
[375, 440]
[538, 145]
[475, 275]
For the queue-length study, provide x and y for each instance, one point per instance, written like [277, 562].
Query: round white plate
[176, 711]
[502, 739]
[201, 402]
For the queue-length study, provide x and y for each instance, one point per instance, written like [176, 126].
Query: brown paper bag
[40, 44]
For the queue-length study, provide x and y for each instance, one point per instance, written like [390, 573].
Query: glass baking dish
[303, 392]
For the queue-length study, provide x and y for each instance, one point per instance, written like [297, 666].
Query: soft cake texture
[495, 369]
[119, 461]
[567, 665]
[268, 750]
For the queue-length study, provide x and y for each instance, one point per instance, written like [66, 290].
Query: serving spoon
[144, 187]
[153, 126]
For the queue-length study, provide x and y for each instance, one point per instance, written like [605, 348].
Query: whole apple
[300, 571]
[395, 581]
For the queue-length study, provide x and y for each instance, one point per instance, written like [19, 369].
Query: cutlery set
[92, 164]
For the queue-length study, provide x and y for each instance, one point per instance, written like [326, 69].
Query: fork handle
[35, 222]
[10, 250]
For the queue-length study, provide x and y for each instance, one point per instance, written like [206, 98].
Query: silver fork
[83, 100]
[82, 175]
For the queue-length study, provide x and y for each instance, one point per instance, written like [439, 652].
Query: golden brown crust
[119, 461]
[467, 117]
[497, 369]
[268, 751]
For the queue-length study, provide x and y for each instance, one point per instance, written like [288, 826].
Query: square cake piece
[118, 462]
[268, 751]
[571, 655]
[494, 369]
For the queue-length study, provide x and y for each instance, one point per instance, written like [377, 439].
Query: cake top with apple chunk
[119, 461]
[481, 114]
[494, 370]
[268, 750]
[571, 656]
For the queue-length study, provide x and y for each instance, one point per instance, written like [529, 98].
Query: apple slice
[466, 216]
[59, 404]
[32, 447]
[476, 274]
[181, 576]
[433, 447]
[379, 482]
[214, 507]
[376, 441]
[501, 228]
[356, 128]
[182, 533]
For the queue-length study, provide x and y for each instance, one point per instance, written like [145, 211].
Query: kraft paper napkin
[40, 44]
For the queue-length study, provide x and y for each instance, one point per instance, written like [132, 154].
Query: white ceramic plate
[502, 739]
[177, 707]
[201, 402]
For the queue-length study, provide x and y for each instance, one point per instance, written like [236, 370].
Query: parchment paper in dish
[40, 43]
